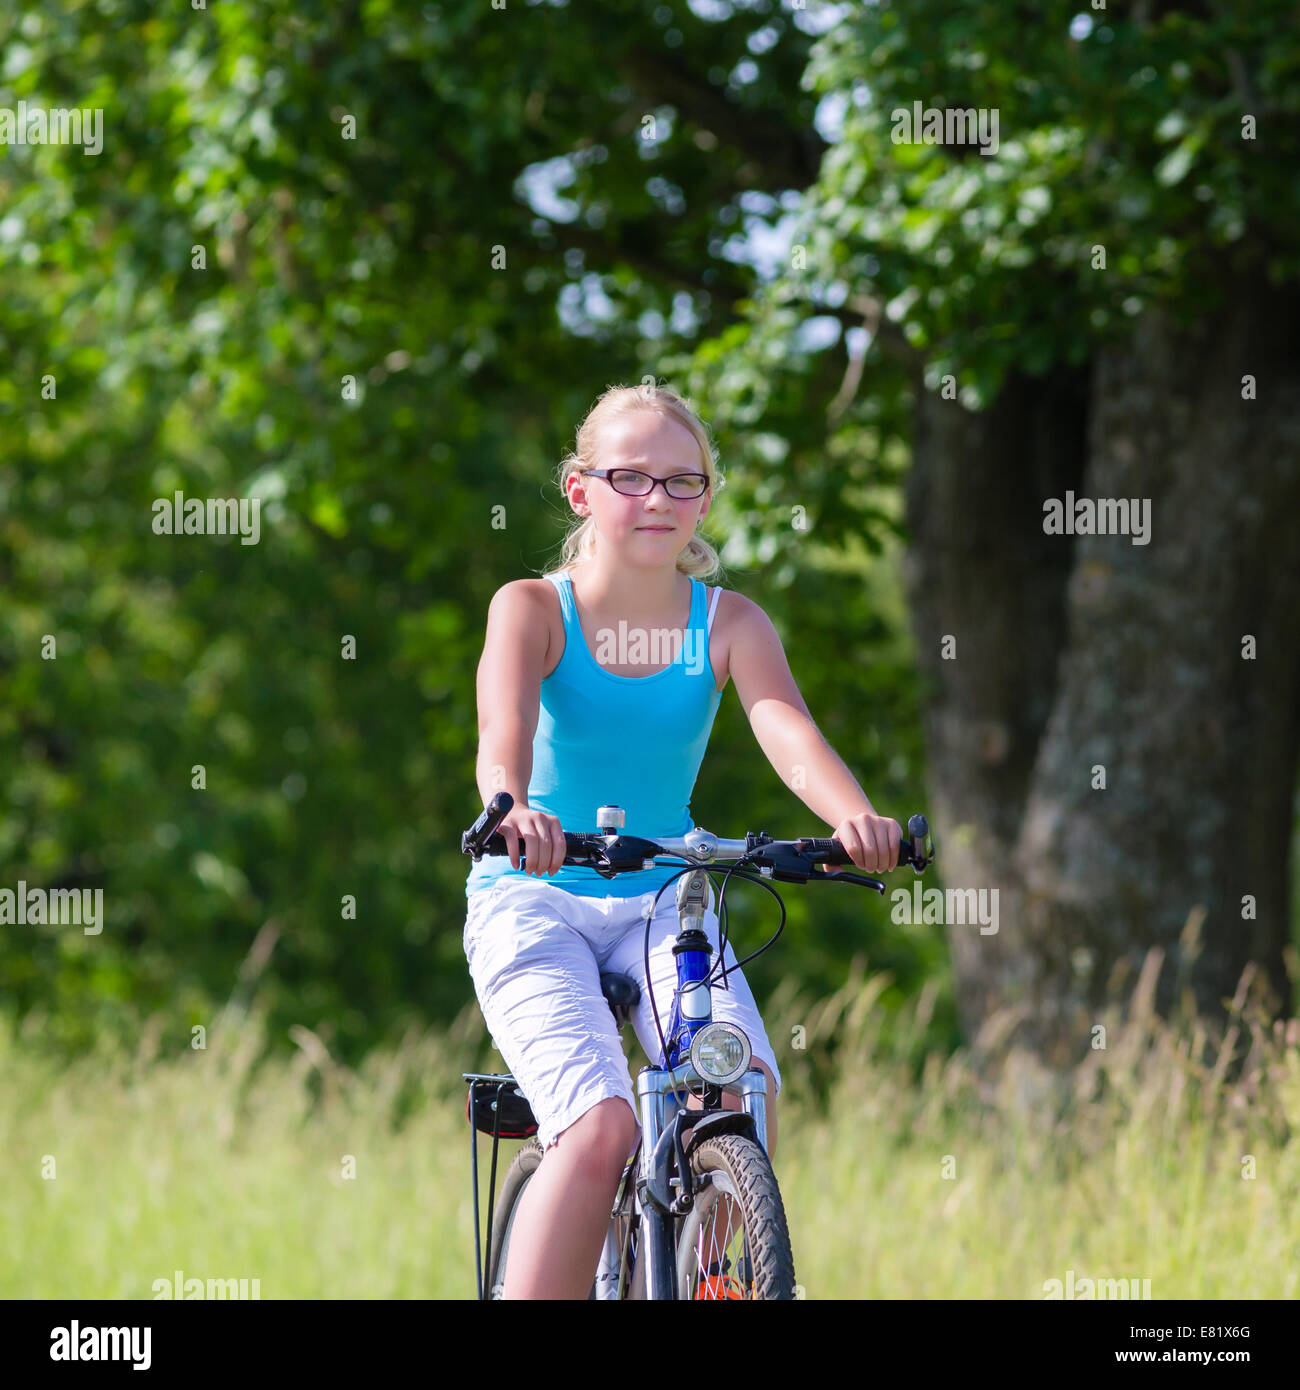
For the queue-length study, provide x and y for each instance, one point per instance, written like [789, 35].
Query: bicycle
[691, 1168]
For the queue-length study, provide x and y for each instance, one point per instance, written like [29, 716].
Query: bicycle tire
[516, 1179]
[738, 1166]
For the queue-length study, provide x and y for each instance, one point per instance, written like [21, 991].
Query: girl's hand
[543, 840]
[872, 842]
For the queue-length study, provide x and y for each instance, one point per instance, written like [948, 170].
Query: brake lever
[842, 877]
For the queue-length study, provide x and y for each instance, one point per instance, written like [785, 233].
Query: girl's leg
[564, 1212]
[536, 976]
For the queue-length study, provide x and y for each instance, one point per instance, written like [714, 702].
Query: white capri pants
[536, 953]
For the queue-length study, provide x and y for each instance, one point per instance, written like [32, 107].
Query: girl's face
[655, 528]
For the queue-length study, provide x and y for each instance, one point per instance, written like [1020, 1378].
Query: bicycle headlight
[720, 1053]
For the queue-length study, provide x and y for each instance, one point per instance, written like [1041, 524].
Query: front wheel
[734, 1242]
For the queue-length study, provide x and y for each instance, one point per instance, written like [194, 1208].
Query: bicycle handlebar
[788, 861]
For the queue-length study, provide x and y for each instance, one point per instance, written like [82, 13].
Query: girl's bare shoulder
[734, 609]
[733, 616]
[530, 607]
[529, 595]
[543, 600]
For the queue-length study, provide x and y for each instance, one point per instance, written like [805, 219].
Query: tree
[1104, 306]
[368, 266]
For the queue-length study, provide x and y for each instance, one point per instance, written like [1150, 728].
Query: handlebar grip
[834, 851]
[574, 843]
[477, 836]
[908, 853]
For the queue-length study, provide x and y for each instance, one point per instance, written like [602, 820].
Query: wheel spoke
[716, 1256]
[716, 1251]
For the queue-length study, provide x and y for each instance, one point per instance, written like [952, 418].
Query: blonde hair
[698, 559]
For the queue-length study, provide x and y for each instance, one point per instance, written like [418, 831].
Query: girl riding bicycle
[592, 690]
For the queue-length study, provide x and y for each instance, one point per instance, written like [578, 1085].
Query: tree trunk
[1084, 652]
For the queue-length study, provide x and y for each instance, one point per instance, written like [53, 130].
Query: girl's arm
[795, 747]
[509, 698]
[509, 693]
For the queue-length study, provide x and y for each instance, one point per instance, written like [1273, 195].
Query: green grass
[228, 1163]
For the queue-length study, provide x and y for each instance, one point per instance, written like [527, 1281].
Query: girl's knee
[606, 1133]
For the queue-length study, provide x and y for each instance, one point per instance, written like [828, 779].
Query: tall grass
[1146, 1163]
[904, 1174]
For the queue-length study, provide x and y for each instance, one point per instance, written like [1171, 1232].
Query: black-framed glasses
[631, 482]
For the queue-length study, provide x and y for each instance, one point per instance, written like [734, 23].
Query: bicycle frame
[645, 1196]
[662, 1158]
[669, 1129]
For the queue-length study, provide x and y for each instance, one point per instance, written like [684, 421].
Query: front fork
[668, 1128]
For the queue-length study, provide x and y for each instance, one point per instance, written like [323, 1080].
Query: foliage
[199, 292]
[1165, 136]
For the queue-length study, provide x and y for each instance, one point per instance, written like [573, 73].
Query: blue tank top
[630, 741]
